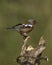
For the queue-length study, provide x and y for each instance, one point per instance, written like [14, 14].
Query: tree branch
[33, 56]
[24, 46]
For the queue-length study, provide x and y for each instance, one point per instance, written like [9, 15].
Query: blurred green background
[15, 11]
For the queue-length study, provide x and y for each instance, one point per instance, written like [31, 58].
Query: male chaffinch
[24, 29]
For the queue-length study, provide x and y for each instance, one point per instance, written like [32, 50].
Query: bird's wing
[15, 26]
[27, 25]
[19, 26]
[22, 26]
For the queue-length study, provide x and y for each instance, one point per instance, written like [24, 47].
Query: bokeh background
[16, 11]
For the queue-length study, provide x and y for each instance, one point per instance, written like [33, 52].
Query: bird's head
[29, 48]
[32, 21]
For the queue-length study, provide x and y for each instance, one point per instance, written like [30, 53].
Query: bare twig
[41, 47]
[24, 46]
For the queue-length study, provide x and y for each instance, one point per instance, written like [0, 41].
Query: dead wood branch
[32, 56]
[24, 46]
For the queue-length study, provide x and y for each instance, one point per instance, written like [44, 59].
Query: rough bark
[34, 56]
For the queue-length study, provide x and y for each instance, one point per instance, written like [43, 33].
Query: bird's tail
[9, 28]
[13, 27]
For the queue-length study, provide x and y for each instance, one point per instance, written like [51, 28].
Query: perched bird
[24, 29]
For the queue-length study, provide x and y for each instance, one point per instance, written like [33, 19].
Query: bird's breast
[26, 30]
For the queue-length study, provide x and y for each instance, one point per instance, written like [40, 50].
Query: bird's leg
[25, 35]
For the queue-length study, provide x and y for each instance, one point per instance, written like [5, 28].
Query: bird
[23, 28]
